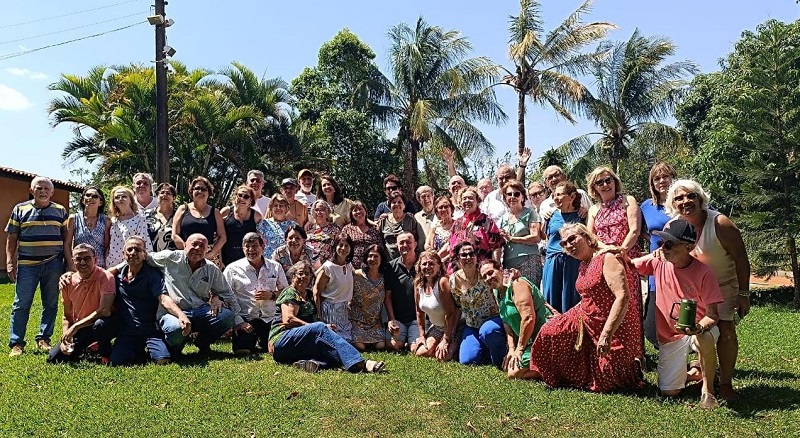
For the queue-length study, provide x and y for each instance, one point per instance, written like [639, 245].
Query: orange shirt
[82, 296]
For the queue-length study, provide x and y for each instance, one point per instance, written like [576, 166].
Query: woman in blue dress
[560, 270]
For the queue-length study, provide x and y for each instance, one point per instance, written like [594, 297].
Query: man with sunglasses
[35, 257]
[494, 204]
[255, 180]
[679, 275]
[392, 184]
[552, 176]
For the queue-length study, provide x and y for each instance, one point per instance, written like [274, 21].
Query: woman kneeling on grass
[434, 300]
[296, 336]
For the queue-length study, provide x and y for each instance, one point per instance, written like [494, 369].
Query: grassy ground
[250, 397]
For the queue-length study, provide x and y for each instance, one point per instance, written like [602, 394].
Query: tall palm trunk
[410, 166]
[520, 122]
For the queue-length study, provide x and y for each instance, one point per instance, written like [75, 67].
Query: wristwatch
[744, 293]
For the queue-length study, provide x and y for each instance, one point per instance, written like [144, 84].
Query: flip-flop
[376, 367]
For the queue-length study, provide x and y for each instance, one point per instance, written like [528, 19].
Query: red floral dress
[565, 351]
[611, 227]
[479, 229]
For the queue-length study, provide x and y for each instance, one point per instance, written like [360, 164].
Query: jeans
[248, 341]
[316, 341]
[28, 278]
[102, 331]
[129, 347]
[488, 343]
[209, 328]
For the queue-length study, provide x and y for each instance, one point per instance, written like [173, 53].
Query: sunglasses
[243, 195]
[391, 188]
[443, 207]
[668, 244]
[466, 255]
[514, 194]
[536, 194]
[91, 195]
[199, 189]
[690, 196]
[604, 182]
[82, 259]
[569, 240]
[120, 196]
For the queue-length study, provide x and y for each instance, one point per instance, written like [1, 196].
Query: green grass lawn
[251, 397]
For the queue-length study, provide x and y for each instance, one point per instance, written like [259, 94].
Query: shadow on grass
[756, 374]
[202, 360]
[754, 401]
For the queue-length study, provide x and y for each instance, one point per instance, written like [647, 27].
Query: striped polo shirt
[39, 230]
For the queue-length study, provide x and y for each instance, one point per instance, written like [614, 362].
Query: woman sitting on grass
[297, 338]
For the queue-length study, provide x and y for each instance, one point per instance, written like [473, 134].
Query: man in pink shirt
[88, 297]
[679, 275]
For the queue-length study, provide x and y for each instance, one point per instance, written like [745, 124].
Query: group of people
[541, 280]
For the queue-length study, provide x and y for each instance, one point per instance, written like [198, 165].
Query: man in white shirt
[426, 216]
[306, 179]
[552, 176]
[143, 188]
[493, 204]
[256, 282]
[255, 180]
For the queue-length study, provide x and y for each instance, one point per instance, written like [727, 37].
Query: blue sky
[279, 39]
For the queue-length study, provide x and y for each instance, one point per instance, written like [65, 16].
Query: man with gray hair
[35, 257]
[143, 188]
[552, 176]
[426, 215]
[255, 180]
[494, 204]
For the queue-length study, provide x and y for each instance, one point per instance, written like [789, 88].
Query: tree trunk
[520, 122]
[432, 181]
[792, 246]
[410, 166]
[615, 152]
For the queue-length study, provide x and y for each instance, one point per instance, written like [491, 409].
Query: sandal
[375, 366]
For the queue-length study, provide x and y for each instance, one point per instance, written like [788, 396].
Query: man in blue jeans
[35, 257]
[197, 286]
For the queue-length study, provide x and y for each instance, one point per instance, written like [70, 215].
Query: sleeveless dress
[207, 225]
[511, 316]
[235, 231]
[365, 308]
[611, 227]
[565, 351]
[560, 270]
[274, 234]
[523, 257]
[361, 241]
[93, 236]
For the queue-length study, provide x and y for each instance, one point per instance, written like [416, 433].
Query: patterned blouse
[274, 234]
[321, 239]
[479, 229]
[95, 236]
[361, 241]
[476, 303]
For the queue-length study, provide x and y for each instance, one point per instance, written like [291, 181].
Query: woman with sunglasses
[596, 345]
[240, 218]
[483, 339]
[655, 217]
[159, 219]
[720, 246]
[616, 220]
[125, 222]
[198, 216]
[89, 225]
[560, 270]
[521, 230]
[438, 239]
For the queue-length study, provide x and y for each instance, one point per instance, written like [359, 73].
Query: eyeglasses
[514, 194]
[391, 188]
[604, 182]
[443, 207]
[536, 194]
[569, 240]
[82, 259]
[91, 195]
[165, 192]
[668, 244]
[243, 195]
[691, 196]
[199, 189]
[466, 255]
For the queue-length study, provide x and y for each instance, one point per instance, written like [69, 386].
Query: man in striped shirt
[35, 257]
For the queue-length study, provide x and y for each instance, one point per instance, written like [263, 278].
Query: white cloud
[12, 100]
[16, 71]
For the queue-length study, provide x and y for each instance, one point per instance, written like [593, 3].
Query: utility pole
[162, 145]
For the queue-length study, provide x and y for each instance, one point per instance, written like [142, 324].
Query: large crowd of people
[540, 280]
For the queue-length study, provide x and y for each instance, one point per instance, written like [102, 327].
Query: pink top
[696, 282]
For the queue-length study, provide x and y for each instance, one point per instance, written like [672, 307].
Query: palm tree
[634, 90]
[543, 67]
[437, 94]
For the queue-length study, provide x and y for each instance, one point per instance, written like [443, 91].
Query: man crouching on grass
[679, 275]
[88, 297]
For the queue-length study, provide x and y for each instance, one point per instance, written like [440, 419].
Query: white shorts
[672, 361]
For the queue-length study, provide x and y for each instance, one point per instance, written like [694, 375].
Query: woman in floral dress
[368, 293]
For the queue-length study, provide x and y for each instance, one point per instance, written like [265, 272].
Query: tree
[544, 65]
[437, 94]
[753, 128]
[635, 89]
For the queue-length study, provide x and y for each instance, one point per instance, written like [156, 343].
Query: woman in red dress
[596, 345]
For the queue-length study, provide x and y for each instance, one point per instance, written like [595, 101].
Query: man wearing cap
[306, 179]
[298, 211]
[255, 180]
[678, 275]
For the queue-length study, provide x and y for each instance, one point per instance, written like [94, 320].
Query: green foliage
[253, 396]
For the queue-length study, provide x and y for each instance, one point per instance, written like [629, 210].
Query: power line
[66, 15]
[67, 30]
[14, 55]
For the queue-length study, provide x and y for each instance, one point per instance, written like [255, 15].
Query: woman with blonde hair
[125, 222]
